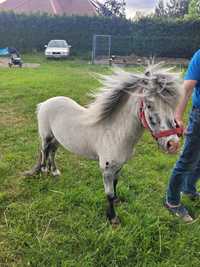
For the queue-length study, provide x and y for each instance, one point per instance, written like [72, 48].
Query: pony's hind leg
[36, 169]
[51, 160]
[46, 147]
[41, 165]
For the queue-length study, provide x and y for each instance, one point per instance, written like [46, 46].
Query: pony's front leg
[109, 179]
[115, 182]
[116, 198]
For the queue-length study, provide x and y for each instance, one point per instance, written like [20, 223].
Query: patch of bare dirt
[134, 60]
[4, 64]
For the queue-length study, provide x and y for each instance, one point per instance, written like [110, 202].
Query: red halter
[175, 131]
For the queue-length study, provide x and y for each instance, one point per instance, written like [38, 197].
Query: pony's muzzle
[169, 144]
[172, 146]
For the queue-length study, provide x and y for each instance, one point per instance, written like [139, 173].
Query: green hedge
[32, 32]
[148, 36]
[166, 37]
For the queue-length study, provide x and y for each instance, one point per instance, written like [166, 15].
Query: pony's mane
[156, 81]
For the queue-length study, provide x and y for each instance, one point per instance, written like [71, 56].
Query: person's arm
[188, 87]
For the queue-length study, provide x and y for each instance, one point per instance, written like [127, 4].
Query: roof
[54, 7]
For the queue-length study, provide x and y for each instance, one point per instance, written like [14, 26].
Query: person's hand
[179, 122]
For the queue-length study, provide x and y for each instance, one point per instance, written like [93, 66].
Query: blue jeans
[186, 171]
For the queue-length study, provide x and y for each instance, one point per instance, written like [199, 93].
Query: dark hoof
[115, 222]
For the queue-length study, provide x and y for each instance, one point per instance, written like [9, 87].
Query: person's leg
[188, 160]
[189, 186]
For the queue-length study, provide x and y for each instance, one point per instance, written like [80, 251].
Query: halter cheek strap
[142, 117]
[175, 131]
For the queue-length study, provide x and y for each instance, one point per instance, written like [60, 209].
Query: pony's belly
[76, 140]
[81, 151]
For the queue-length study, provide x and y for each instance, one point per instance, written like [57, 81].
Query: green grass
[61, 222]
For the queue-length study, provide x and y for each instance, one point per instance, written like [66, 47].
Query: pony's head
[156, 91]
[161, 92]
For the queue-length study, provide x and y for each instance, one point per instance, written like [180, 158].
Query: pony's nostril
[172, 146]
[169, 145]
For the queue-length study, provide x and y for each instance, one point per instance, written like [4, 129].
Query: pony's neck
[127, 120]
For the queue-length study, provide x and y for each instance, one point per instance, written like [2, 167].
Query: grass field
[61, 222]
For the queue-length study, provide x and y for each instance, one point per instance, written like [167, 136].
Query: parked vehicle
[57, 49]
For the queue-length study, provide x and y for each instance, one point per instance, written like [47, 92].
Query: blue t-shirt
[193, 73]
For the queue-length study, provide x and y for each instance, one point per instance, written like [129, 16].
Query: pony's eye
[170, 124]
[150, 118]
[149, 106]
[153, 123]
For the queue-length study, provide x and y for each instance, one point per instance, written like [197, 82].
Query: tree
[160, 9]
[172, 8]
[112, 8]
[177, 8]
[194, 9]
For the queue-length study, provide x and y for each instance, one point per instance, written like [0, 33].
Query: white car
[57, 49]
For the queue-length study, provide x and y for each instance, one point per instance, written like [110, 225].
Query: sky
[134, 5]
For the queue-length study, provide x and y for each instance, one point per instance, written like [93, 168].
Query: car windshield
[57, 43]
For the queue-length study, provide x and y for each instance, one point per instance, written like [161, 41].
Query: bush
[148, 36]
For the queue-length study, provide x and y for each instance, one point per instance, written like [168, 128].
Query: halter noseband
[175, 131]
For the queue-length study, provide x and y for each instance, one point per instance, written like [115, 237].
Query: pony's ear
[147, 76]
[147, 73]
[145, 81]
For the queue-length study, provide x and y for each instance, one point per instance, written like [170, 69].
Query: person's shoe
[180, 211]
[193, 196]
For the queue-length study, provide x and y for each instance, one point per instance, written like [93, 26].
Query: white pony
[108, 128]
